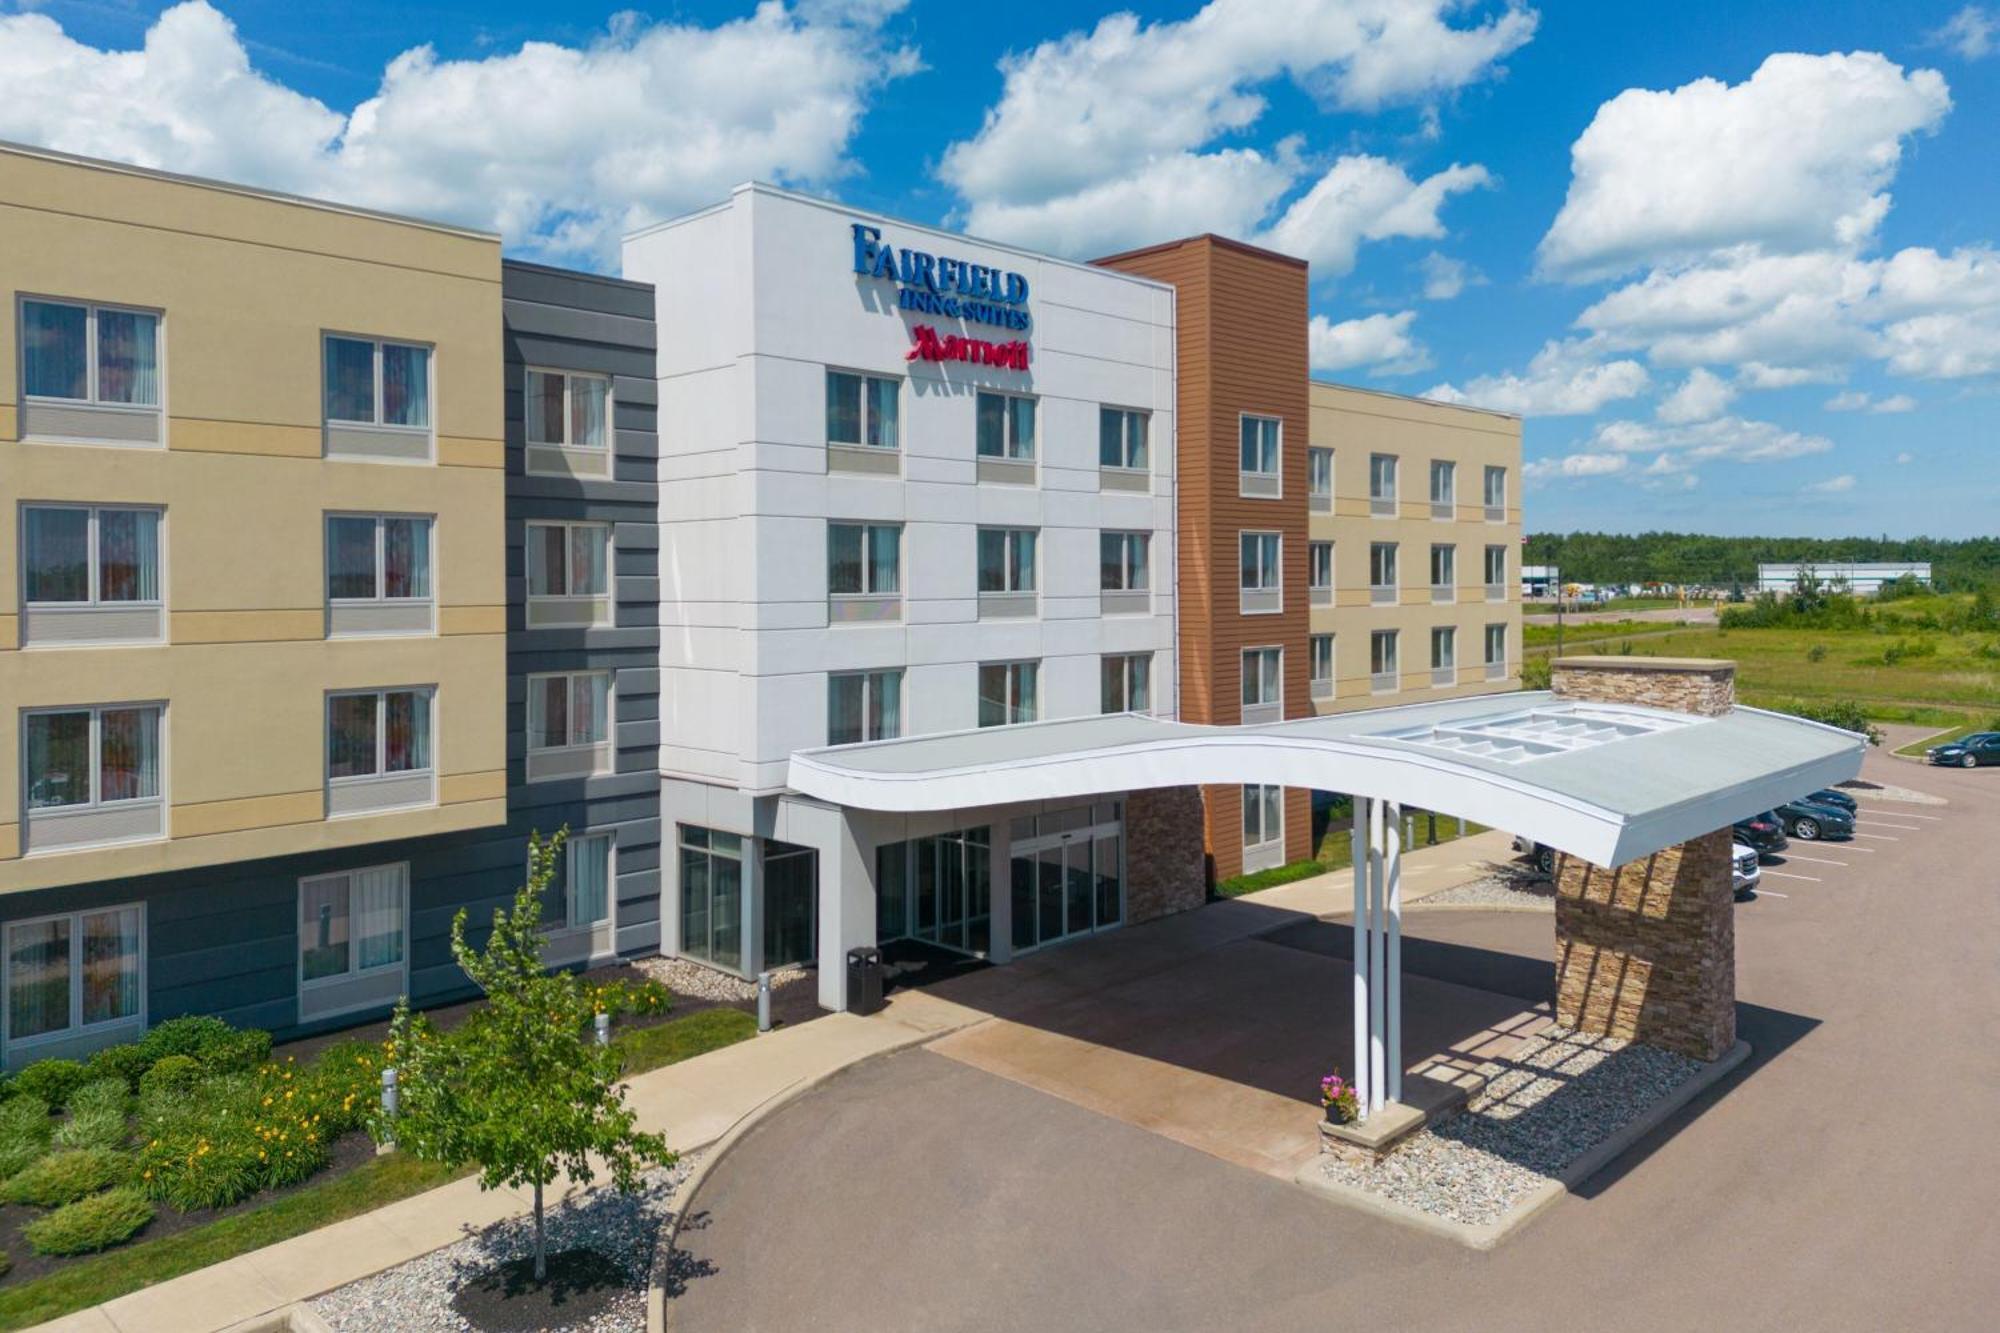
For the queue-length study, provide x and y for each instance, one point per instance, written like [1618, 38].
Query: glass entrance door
[1069, 882]
[936, 889]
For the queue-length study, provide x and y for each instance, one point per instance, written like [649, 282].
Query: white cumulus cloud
[1563, 379]
[1839, 485]
[1382, 343]
[1857, 400]
[1970, 32]
[1702, 395]
[1575, 465]
[1445, 277]
[1797, 157]
[559, 148]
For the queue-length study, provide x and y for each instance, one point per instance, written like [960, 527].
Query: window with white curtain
[1259, 444]
[1263, 815]
[353, 923]
[375, 382]
[1008, 692]
[568, 409]
[378, 733]
[569, 709]
[75, 973]
[90, 555]
[863, 706]
[569, 559]
[1007, 559]
[378, 558]
[1123, 561]
[1125, 683]
[1121, 438]
[98, 354]
[1263, 677]
[585, 879]
[1005, 427]
[78, 758]
[862, 410]
[864, 559]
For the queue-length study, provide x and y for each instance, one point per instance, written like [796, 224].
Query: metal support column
[1392, 977]
[1358, 854]
[1380, 827]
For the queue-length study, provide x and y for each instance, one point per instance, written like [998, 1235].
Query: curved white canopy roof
[1606, 782]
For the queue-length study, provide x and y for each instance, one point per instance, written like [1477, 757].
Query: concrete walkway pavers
[699, 1101]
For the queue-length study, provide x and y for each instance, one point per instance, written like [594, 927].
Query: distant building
[1540, 581]
[1864, 579]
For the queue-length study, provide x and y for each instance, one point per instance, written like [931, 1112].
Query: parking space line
[1811, 879]
[1816, 860]
[1879, 837]
[1905, 814]
[1771, 893]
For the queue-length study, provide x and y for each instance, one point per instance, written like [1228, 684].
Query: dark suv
[1765, 832]
[1981, 747]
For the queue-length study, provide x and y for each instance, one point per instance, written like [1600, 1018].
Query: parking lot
[1880, 824]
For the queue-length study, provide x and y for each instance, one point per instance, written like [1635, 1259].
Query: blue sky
[1735, 264]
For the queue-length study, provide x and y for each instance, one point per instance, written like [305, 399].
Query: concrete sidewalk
[696, 1102]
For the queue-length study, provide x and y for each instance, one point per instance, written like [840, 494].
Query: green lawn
[1336, 852]
[1576, 634]
[1916, 748]
[382, 1181]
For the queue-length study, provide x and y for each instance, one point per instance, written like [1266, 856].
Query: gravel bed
[1559, 1096]
[418, 1294]
[1507, 886]
[1889, 791]
[684, 976]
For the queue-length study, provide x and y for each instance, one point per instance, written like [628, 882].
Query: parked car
[1539, 854]
[1834, 797]
[1746, 870]
[1765, 832]
[1809, 820]
[1981, 747]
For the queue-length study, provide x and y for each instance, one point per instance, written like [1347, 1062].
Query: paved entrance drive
[1224, 1050]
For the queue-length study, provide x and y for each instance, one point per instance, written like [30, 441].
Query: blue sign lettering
[940, 285]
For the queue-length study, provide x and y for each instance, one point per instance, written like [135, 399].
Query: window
[1007, 560]
[569, 574]
[1320, 664]
[372, 561]
[1444, 571]
[1382, 571]
[1496, 652]
[1263, 678]
[75, 973]
[1260, 446]
[1263, 816]
[352, 925]
[1124, 561]
[1382, 483]
[1260, 551]
[1496, 493]
[1006, 427]
[1444, 487]
[1496, 573]
[1126, 683]
[568, 409]
[83, 758]
[1007, 692]
[863, 706]
[1321, 567]
[862, 410]
[863, 559]
[372, 382]
[582, 894]
[1444, 655]
[1319, 475]
[95, 354]
[712, 896]
[83, 555]
[569, 711]
[1121, 438]
[1382, 669]
[378, 750]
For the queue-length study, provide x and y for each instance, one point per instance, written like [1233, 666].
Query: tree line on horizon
[1691, 557]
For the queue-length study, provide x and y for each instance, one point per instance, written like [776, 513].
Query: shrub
[190, 1034]
[345, 1086]
[173, 1075]
[24, 1132]
[243, 1048]
[93, 1127]
[624, 998]
[95, 1223]
[99, 1093]
[51, 1080]
[1816, 653]
[232, 1135]
[128, 1062]
[1843, 713]
[64, 1177]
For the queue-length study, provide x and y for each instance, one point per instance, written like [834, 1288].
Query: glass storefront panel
[791, 904]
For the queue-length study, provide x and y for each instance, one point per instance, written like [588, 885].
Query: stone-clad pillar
[1166, 867]
[1647, 950]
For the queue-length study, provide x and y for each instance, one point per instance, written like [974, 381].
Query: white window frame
[1262, 653]
[1447, 590]
[1377, 588]
[1491, 660]
[1126, 447]
[871, 703]
[428, 693]
[568, 378]
[1319, 654]
[95, 597]
[866, 415]
[1135, 561]
[378, 342]
[1319, 571]
[1444, 674]
[1449, 500]
[1486, 493]
[569, 925]
[1377, 683]
[1379, 504]
[868, 588]
[381, 599]
[1319, 472]
[1010, 563]
[1270, 575]
[603, 616]
[1265, 804]
[570, 744]
[1011, 703]
[76, 1029]
[1010, 422]
[355, 972]
[1271, 450]
[1496, 590]
[91, 385]
[97, 802]
[1129, 665]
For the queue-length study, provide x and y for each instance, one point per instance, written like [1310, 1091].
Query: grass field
[1542, 638]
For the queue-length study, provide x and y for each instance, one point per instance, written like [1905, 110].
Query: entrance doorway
[937, 889]
[1068, 874]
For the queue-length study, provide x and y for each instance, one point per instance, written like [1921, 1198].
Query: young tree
[521, 1089]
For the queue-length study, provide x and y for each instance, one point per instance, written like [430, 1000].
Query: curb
[1537, 1201]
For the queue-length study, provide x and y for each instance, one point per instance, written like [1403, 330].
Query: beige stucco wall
[1356, 423]
[247, 284]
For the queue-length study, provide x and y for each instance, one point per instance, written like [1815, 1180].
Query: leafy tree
[521, 1089]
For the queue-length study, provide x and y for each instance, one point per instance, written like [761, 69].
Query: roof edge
[1213, 238]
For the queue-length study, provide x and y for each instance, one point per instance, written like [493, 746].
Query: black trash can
[864, 981]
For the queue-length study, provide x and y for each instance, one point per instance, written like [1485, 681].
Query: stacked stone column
[1166, 866]
[1647, 950]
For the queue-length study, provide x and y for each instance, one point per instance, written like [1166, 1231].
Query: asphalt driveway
[1844, 1179]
